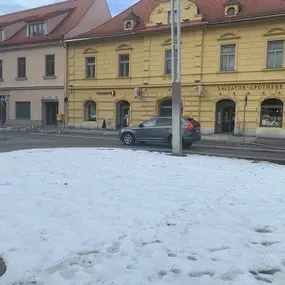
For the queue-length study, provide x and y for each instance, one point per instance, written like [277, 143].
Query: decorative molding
[90, 51]
[275, 32]
[228, 36]
[124, 47]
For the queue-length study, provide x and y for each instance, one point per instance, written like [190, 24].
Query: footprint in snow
[222, 248]
[264, 230]
[198, 274]
[192, 258]
[157, 276]
[231, 275]
[114, 248]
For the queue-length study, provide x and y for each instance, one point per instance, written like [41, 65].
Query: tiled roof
[74, 10]
[212, 11]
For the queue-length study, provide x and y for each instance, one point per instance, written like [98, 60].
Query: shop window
[272, 113]
[23, 110]
[90, 111]
[228, 55]
[168, 62]
[275, 54]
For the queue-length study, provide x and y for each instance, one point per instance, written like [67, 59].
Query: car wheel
[128, 139]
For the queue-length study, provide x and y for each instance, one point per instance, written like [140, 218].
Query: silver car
[159, 130]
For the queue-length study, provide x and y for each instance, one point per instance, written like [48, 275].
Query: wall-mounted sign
[112, 93]
[251, 87]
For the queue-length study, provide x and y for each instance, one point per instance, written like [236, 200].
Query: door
[51, 113]
[228, 120]
[162, 129]
[144, 132]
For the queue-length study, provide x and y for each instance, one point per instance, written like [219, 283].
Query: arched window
[165, 108]
[90, 111]
[129, 25]
[271, 113]
[231, 12]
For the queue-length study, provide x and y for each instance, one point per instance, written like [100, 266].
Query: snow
[123, 217]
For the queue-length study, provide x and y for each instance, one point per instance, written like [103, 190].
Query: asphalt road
[18, 141]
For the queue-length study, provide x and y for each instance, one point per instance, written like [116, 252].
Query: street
[17, 141]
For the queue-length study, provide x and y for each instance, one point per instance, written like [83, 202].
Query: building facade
[33, 58]
[232, 56]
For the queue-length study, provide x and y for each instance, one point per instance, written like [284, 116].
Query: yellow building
[230, 50]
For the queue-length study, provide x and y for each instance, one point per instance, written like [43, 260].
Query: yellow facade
[203, 82]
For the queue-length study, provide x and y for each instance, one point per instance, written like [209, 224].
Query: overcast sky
[9, 6]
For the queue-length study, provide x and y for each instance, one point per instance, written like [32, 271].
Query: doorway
[165, 108]
[225, 116]
[50, 113]
[122, 109]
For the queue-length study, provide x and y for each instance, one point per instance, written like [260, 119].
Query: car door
[145, 130]
[162, 129]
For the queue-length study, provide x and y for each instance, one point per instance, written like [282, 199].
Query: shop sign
[112, 93]
[251, 87]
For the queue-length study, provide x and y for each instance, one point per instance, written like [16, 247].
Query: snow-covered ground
[122, 217]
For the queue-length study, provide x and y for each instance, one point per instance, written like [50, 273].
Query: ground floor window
[272, 113]
[90, 111]
[23, 110]
[165, 108]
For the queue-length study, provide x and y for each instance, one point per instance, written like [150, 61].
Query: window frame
[19, 75]
[125, 64]
[1, 35]
[29, 113]
[274, 52]
[169, 59]
[35, 31]
[228, 55]
[90, 65]
[52, 67]
[231, 9]
[281, 107]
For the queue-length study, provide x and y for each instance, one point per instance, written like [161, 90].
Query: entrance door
[225, 116]
[51, 113]
[123, 109]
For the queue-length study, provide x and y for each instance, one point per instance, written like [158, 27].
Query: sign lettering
[251, 87]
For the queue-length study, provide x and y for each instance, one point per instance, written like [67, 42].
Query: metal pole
[244, 110]
[176, 84]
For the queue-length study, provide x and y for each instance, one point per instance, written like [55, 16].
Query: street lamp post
[176, 77]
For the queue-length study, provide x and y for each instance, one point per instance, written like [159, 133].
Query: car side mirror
[141, 126]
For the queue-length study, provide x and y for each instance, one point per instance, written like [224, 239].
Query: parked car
[159, 130]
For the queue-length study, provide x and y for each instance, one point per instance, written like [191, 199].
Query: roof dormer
[232, 8]
[131, 21]
[36, 29]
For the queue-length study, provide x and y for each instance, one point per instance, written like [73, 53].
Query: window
[90, 111]
[124, 65]
[149, 124]
[275, 52]
[272, 113]
[50, 65]
[90, 67]
[36, 29]
[228, 54]
[164, 122]
[168, 60]
[129, 25]
[231, 12]
[1, 35]
[169, 17]
[23, 110]
[165, 108]
[21, 67]
[1, 69]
